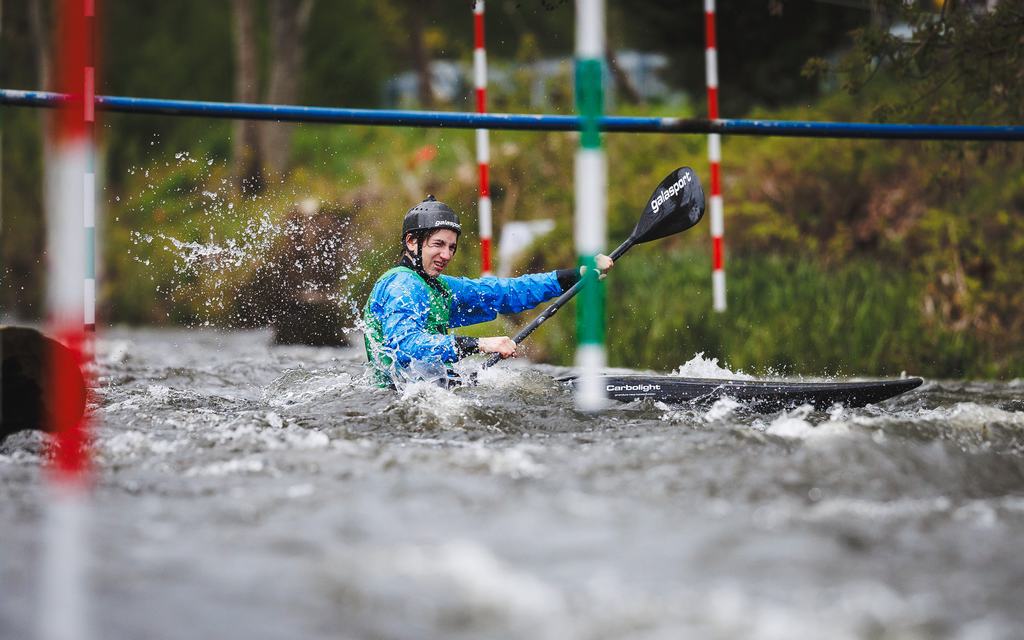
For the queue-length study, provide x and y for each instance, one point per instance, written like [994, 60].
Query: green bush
[786, 315]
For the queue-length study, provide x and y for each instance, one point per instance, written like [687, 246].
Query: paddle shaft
[557, 304]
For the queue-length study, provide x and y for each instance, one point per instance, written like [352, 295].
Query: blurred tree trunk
[42, 37]
[245, 144]
[623, 85]
[625, 90]
[414, 12]
[1, 148]
[40, 22]
[289, 22]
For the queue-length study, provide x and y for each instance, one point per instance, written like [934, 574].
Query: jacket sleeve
[482, 299]
[403, 306]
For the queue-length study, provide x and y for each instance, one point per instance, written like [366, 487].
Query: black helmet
[430, 214]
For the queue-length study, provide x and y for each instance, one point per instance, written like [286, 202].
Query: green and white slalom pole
[591, 201]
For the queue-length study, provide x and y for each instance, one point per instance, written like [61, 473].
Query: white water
[271, 492]
[701, 367]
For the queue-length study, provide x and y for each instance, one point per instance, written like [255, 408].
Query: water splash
[701, 367]
[246, 265]
[425, 405]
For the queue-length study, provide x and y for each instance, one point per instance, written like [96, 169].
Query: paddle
[676, 205]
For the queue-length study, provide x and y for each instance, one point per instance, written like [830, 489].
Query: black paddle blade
[677, 204]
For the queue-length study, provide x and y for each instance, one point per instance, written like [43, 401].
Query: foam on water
[267, 432]
[968, 418]
[498, 376]
[846, 507]
[803, 422]
[25, 448]
[127, 444]
[701, 367]
[474, 590]
[431, 407]
[229, 467]
[299, 387]
[795, 424]
[722, 409]
[969, 415]
[516, 462]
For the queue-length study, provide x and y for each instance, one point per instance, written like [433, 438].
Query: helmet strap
[416, 258]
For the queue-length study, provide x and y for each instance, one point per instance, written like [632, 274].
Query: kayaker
[413, 306]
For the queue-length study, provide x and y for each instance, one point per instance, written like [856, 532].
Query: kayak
[758, 395]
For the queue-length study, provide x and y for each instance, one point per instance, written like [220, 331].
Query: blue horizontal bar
[525, 122]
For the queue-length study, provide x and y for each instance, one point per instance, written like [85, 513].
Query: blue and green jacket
[408, 318]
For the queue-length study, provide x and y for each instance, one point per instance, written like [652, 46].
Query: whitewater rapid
[248, 490]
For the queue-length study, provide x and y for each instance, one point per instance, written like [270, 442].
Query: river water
[244, 490]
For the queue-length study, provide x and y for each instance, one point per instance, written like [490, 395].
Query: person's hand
[604, 265]
[502, 345]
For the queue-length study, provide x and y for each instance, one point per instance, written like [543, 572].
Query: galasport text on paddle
[676, 205]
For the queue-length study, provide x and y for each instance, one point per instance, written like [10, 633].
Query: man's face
[438, 250]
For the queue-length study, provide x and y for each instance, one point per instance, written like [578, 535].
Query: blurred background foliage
[843, 256]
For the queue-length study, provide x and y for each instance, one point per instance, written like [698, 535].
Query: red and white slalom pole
[483, 143]
[715, 158]
[71, 318]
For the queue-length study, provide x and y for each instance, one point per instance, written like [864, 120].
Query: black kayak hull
[758, 395]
